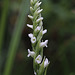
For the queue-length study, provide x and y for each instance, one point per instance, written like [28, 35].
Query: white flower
[30, 26]
[38, 28]
[45, 31]
[31, 17]
[43, 44]
[39, 11]
[40, 19]
[33, 39]
[38, 4]
[38, 59]
[30, 35]
[30, 53]
[46, 63]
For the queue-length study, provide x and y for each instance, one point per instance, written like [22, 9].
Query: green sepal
[45, 70]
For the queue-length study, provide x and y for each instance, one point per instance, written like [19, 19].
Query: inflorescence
[40, 64]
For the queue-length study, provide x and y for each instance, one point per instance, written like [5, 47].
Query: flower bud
[31, 9]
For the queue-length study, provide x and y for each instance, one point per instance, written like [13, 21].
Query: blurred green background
[59, 20]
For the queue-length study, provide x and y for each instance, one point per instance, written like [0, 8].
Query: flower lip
[38, 59]
[33, 39]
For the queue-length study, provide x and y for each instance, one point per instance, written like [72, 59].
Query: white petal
[38, 59]
[30, 26]
[28, 55]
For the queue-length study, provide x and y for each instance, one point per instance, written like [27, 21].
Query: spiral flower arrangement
[40, 63]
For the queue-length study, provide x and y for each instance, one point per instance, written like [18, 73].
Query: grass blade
[16, 36]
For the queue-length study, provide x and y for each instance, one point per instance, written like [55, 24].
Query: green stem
[16, 37]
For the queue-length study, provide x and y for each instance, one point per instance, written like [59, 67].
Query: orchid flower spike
[38, 59]
[39, 63]
[30, 53]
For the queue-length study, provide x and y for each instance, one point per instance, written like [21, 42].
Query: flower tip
[31, 17]
[30, 35]
[28, 50]
[30, 26]
[46, 41]
[45, 31]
